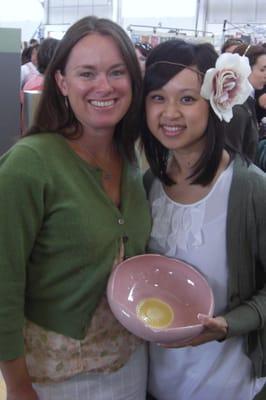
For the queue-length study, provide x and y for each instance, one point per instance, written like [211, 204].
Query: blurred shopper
[29, 69]
[242, 133]
[230, 45]
[45, 53]
[142, 51]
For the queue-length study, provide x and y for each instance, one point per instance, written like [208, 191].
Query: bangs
[157, 75]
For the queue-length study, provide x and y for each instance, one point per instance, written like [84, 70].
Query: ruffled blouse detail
[174, 225]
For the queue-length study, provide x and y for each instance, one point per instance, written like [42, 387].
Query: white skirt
[128, 383]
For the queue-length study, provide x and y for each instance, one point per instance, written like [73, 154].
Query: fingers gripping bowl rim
[158, 298]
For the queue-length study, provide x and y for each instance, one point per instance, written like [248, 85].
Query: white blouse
[196, 233]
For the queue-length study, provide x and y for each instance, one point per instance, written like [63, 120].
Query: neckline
[196, 203]
[95, 170]
[91, 167]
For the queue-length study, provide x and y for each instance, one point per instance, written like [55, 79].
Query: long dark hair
[45, 53]
[201, 57]
[54, 114]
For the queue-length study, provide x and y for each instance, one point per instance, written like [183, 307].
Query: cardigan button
[121, 221]
[125, 239]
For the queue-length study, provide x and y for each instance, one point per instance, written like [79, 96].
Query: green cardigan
[60, 234]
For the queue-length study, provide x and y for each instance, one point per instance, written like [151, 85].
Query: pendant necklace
[106, 175]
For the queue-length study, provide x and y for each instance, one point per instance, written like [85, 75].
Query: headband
[225, 85]
[178, 65]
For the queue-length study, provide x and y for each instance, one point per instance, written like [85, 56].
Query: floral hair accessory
[227, 84]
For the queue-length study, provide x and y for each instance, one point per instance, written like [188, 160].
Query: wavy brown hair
[54, 114]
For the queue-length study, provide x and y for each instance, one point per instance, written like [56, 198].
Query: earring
[66, 102]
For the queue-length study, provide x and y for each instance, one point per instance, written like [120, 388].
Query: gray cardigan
[246, 252]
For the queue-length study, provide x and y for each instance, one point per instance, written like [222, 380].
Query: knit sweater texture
[60, 234]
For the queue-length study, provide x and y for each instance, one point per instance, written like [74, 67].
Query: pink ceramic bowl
[152, 276]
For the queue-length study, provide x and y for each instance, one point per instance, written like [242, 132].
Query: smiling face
[177, 115]
[257, 77]
[97, 83]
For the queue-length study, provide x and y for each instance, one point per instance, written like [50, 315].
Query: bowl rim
[175, 260]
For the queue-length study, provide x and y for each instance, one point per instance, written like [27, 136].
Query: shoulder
[30, 153]
[245, 169]
[42, 143]
[248, 178]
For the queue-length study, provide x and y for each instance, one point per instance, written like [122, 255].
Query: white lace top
[196, 233]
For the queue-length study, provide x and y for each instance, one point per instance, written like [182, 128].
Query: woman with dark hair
[73, 205]
[208, 209]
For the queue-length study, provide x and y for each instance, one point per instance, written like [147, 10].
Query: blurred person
[29, 68]
[81, 210]
[25, 55]
[256, 55]
[242, 133]
[35, 83]
[230, 45]
[45, 53]
[260, 97]
[142, 51]
[33, 42]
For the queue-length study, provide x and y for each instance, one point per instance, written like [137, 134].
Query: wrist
[24, 392]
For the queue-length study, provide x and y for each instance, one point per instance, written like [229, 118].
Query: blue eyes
[92, 75]
[118, 72]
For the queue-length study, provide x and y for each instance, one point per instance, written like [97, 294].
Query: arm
[21, 212]
[17, 380]
[250, 314]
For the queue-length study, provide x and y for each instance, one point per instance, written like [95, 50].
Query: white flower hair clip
[227, 84]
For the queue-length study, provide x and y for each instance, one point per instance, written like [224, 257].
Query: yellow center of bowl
[155, 312]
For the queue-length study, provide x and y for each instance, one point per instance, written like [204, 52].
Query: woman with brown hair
[72, 206]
